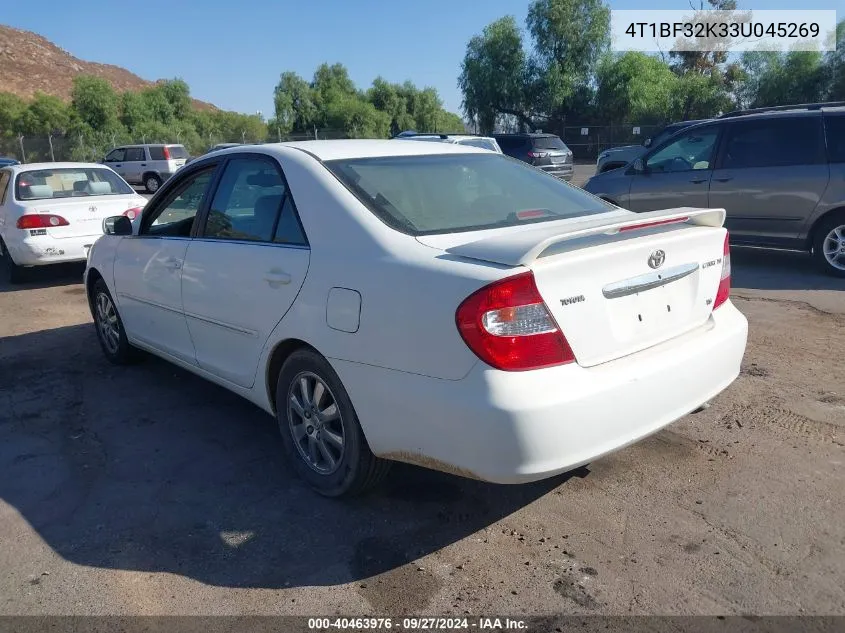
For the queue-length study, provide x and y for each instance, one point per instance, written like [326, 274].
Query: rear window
[46, 184]
[548, 142]
[422, 195]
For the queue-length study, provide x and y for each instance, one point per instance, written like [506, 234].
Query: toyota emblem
[656, 259]
[92, 209]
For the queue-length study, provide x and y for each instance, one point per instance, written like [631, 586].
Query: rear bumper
[562, 171]
[514, 427]
[43, 249]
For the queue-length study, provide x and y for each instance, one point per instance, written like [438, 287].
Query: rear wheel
[829, 245]
[14, 274]
[151, 183]
[320, 430]
[109, 326]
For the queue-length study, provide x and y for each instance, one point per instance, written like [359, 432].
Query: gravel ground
[145, 490]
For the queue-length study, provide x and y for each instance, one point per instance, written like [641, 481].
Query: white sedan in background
[52, 213]
[422, 302]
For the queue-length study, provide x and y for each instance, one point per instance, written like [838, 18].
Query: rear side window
[252, 204]
[510, 143]
[156, 152]
[549, 142]
[135, 154]
[776, 142]
[835, 127]
[420, 195]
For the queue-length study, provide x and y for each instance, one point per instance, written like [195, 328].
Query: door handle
[143, 164]
[172, 264]
[724, 179]
[277, 278]
[698, 181]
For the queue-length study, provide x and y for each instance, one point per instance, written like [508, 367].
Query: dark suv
[544, 151]
[779, 173]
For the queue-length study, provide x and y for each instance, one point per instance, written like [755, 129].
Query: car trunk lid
[618, 283]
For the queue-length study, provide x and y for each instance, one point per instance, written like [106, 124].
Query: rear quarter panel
[832, 199]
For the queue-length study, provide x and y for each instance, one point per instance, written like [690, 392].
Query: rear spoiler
[522, 247]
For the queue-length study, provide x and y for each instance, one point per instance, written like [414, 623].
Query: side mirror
[639, 166]
[647, 142]
[117, 225]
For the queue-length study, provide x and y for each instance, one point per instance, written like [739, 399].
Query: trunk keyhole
[640, 317]
[668, 308]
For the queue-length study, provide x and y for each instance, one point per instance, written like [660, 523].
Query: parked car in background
[544, 151]
[5, 160]
[295, 281]
[484, 142]
[779, 173]
[149, 165]
[52, 213]
[616, 157]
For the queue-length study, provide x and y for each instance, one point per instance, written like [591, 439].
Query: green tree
[178, 95]
[295, 109]
[634, 86]
[493, 75]
[95, 103]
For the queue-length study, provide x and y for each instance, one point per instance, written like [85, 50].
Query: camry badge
[656, 259]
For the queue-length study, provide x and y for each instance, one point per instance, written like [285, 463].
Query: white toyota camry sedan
[422, 302]
[52, 213]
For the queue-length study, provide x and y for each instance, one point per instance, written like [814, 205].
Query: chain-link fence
[57, 147]
[585, 141]
[588, 141]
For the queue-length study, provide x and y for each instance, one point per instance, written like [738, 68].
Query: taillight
[133, 213]
[40, 221]
[724, 290]
[508, 326]
[166, 153]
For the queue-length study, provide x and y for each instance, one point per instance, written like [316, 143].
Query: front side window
[692, 151]
[116, 156]
[420, 195]
[252, 204]
[777, 142]
[43, 184]
[174, 217]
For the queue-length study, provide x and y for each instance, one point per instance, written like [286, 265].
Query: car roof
[366, 148]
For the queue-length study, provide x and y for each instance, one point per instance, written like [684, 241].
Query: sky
[232, 53]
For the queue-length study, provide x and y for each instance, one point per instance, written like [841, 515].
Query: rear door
[245, 267]
[676, 174]
[770, 175]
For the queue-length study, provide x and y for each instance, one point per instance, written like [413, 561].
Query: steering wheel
[679, 163]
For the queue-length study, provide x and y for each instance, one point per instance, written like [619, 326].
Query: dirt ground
[145, 490]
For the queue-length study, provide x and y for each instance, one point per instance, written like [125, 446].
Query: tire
[829, 245]
[335, 470]
[152, 182]
[115, 345]
[14, 274]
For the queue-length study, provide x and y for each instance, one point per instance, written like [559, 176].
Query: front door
[677, 174]
[244, 269]
[115, 160]
[148, 270]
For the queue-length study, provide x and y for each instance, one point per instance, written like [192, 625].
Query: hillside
[30, 63]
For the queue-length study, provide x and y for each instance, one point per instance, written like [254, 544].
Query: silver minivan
[778, 172]
[148, 165]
